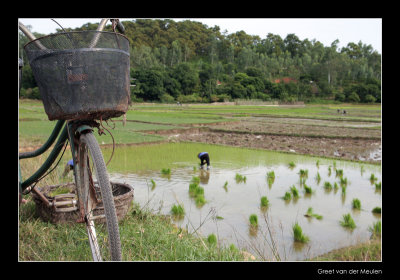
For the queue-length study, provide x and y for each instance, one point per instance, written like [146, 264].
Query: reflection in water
[234, 202]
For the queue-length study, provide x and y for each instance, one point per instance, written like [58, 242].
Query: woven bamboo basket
[64, 208]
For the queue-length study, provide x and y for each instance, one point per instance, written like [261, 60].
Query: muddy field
[358, 141]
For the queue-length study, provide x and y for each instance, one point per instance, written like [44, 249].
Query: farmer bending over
[68, 167]
[203, 159]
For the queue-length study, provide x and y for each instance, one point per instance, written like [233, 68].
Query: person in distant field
[68, 167]
[204, 158]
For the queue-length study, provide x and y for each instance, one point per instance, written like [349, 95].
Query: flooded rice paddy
[230, 203]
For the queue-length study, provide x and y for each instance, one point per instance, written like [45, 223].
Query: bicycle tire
[89, 153]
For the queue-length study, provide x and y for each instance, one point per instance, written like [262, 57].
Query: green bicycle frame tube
[46, 145]
[49, 161]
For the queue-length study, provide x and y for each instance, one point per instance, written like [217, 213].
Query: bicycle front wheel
[96, 201]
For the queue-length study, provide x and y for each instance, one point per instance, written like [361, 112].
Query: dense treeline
[188, 61]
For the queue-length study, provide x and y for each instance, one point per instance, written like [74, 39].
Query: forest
[188, 62]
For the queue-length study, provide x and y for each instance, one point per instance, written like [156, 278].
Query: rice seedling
[318, 178]
[298, 234]
[362, 170]
[153, 184]
[194, 168]
[343, 181]
[307, 189]
[328, 186]
[294, 191]
[378, 186]
[253, 219]
[192, 189]
[292, 165]
[376, 229]
[317, 164]
[335, 186]
[372, 178]
[166, 171]
[177, 210]
[302, 181]
[199, 191]
[195, 180]
[348, 221]
[303, 173]
[200, 200]
[212, 239]
[264, 202]
[356, 204]
[287, 196]
[226, 186]
[343, 190]
[339, 173]
[329, 171]
[240, 178]
[377, 210]
[310, 214]
[334, 165]
[271, 174]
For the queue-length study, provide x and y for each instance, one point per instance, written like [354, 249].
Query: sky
[325, 30]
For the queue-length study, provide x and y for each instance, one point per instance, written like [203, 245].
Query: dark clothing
[204, 158]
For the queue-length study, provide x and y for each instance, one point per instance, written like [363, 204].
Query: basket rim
[80, 31]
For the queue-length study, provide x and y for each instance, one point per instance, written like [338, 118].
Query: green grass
[144, 237]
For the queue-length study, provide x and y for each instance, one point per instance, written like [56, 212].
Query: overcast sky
[325, 30]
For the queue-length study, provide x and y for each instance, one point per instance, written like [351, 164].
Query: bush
[369, 98]
[340, 97]
[353, 97]
[166, 98]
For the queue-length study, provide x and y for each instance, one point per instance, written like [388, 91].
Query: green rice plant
[377, 210]
[343, 190]
[294, 191]
[335, 186]
[287, 196]
[264, 202]
[253, 219]
[339, 173]
[343, 181]
[376, 229]
[298, 234]
[200, 200]
[166, 171]
[372, 178]
[307, 189]
[212, 239]
[362, 170]
[302, 181]
[329, 171]
[177, 210]
[317, 164]
[199, 191]
[271, 174]
[195, 180]
[310, 214]
[318, 178]
[328, 186]
[348, 221]
[226, 186]
[192, 189]
[303, 173]
[194, 168]
[153, 184]
[334, 165]
[240, 178]
[378, 186]
[356, 204]
[292, 165]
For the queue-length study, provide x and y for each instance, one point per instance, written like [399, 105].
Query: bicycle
[83, 77]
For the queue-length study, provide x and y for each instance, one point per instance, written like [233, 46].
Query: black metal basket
[82, 75]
